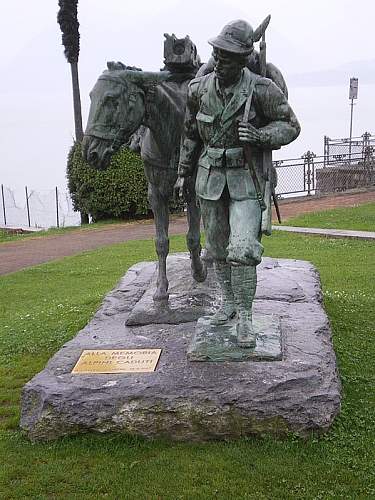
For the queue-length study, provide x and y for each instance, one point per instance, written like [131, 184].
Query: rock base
[185, 400]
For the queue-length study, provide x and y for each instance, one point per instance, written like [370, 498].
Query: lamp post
[353, 94]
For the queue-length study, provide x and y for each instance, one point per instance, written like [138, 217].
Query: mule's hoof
[161, 297]
[200, 274]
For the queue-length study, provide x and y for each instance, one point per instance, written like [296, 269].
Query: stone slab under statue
[189, 400]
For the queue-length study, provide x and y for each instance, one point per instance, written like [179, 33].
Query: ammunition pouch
[223, 158]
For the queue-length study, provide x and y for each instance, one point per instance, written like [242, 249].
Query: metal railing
[312, 174]
[345, 149]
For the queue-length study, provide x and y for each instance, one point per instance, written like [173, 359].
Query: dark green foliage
[120, 191]
[68, 20]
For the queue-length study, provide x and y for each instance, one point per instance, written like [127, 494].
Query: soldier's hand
[180, 188]
[248, 133]
[113, 65]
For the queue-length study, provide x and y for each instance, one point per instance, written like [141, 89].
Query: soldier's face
[227, 66]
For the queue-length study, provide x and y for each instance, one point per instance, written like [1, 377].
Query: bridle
[119, 136]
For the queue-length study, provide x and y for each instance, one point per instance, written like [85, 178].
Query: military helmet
[236, 37]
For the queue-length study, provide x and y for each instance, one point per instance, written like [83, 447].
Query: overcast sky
[318, 46]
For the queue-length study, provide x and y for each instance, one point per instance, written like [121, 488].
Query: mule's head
[116, 111]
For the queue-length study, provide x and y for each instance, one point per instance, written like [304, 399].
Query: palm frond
[67, 18]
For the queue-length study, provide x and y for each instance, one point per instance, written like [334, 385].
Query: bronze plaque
[117, 361]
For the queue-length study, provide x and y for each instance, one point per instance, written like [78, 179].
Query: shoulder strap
[246, 113]
[219, 134]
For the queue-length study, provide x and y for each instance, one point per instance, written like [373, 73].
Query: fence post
[308, 172]
[2, 196]
[57, 207]
[365, 144]
[326, 150]
[27, 206]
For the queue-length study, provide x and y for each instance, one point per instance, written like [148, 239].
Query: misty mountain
[363, 70]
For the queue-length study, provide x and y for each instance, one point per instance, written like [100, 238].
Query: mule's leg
[158, 197]
[193, 238]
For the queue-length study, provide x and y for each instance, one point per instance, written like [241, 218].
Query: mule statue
[122, 100]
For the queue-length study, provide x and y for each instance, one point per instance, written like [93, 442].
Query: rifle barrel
[275, 202]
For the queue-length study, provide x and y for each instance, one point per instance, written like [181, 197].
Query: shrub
[120, 191]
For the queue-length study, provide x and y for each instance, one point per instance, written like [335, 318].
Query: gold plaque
[117, 361]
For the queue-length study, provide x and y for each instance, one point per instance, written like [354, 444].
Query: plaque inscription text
[117, 361]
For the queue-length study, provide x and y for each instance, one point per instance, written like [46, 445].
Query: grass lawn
[43, 307]
[361, 218]
[8, 236]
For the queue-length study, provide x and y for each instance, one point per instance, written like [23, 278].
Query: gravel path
[36, 250]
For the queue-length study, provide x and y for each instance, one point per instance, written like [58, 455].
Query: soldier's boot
[244, 282]
[227, 308]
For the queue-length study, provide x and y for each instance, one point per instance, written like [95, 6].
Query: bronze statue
[125, 101]
[125, 98]
[234, 119]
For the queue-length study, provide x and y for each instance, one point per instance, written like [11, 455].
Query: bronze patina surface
[234, 120]
[219, 342]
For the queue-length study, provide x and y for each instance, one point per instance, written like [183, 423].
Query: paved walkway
[332, 233]
[31, 251]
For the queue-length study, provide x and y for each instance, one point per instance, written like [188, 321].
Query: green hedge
[120, 191]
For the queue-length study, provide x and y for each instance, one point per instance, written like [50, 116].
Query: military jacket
[211, 143]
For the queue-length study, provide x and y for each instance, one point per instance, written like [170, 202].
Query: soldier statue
[234, 119]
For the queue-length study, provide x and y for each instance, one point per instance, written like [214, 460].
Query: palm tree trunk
[77, 118]
[76, 102]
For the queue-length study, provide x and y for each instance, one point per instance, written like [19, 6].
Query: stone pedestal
[188, 400]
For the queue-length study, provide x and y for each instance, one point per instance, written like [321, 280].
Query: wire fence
[37, 209]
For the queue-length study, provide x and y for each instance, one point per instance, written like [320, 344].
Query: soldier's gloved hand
[248, 133]
[118, 65]
[181, 189]
[113, 65]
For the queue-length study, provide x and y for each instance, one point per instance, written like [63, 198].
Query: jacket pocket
[215, 157]
[205, 125]
[201, 180]
[235, 158]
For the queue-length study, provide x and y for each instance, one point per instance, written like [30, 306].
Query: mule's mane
[116, 76]
[112, 78]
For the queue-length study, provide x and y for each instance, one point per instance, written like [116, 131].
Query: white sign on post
[353, 89]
